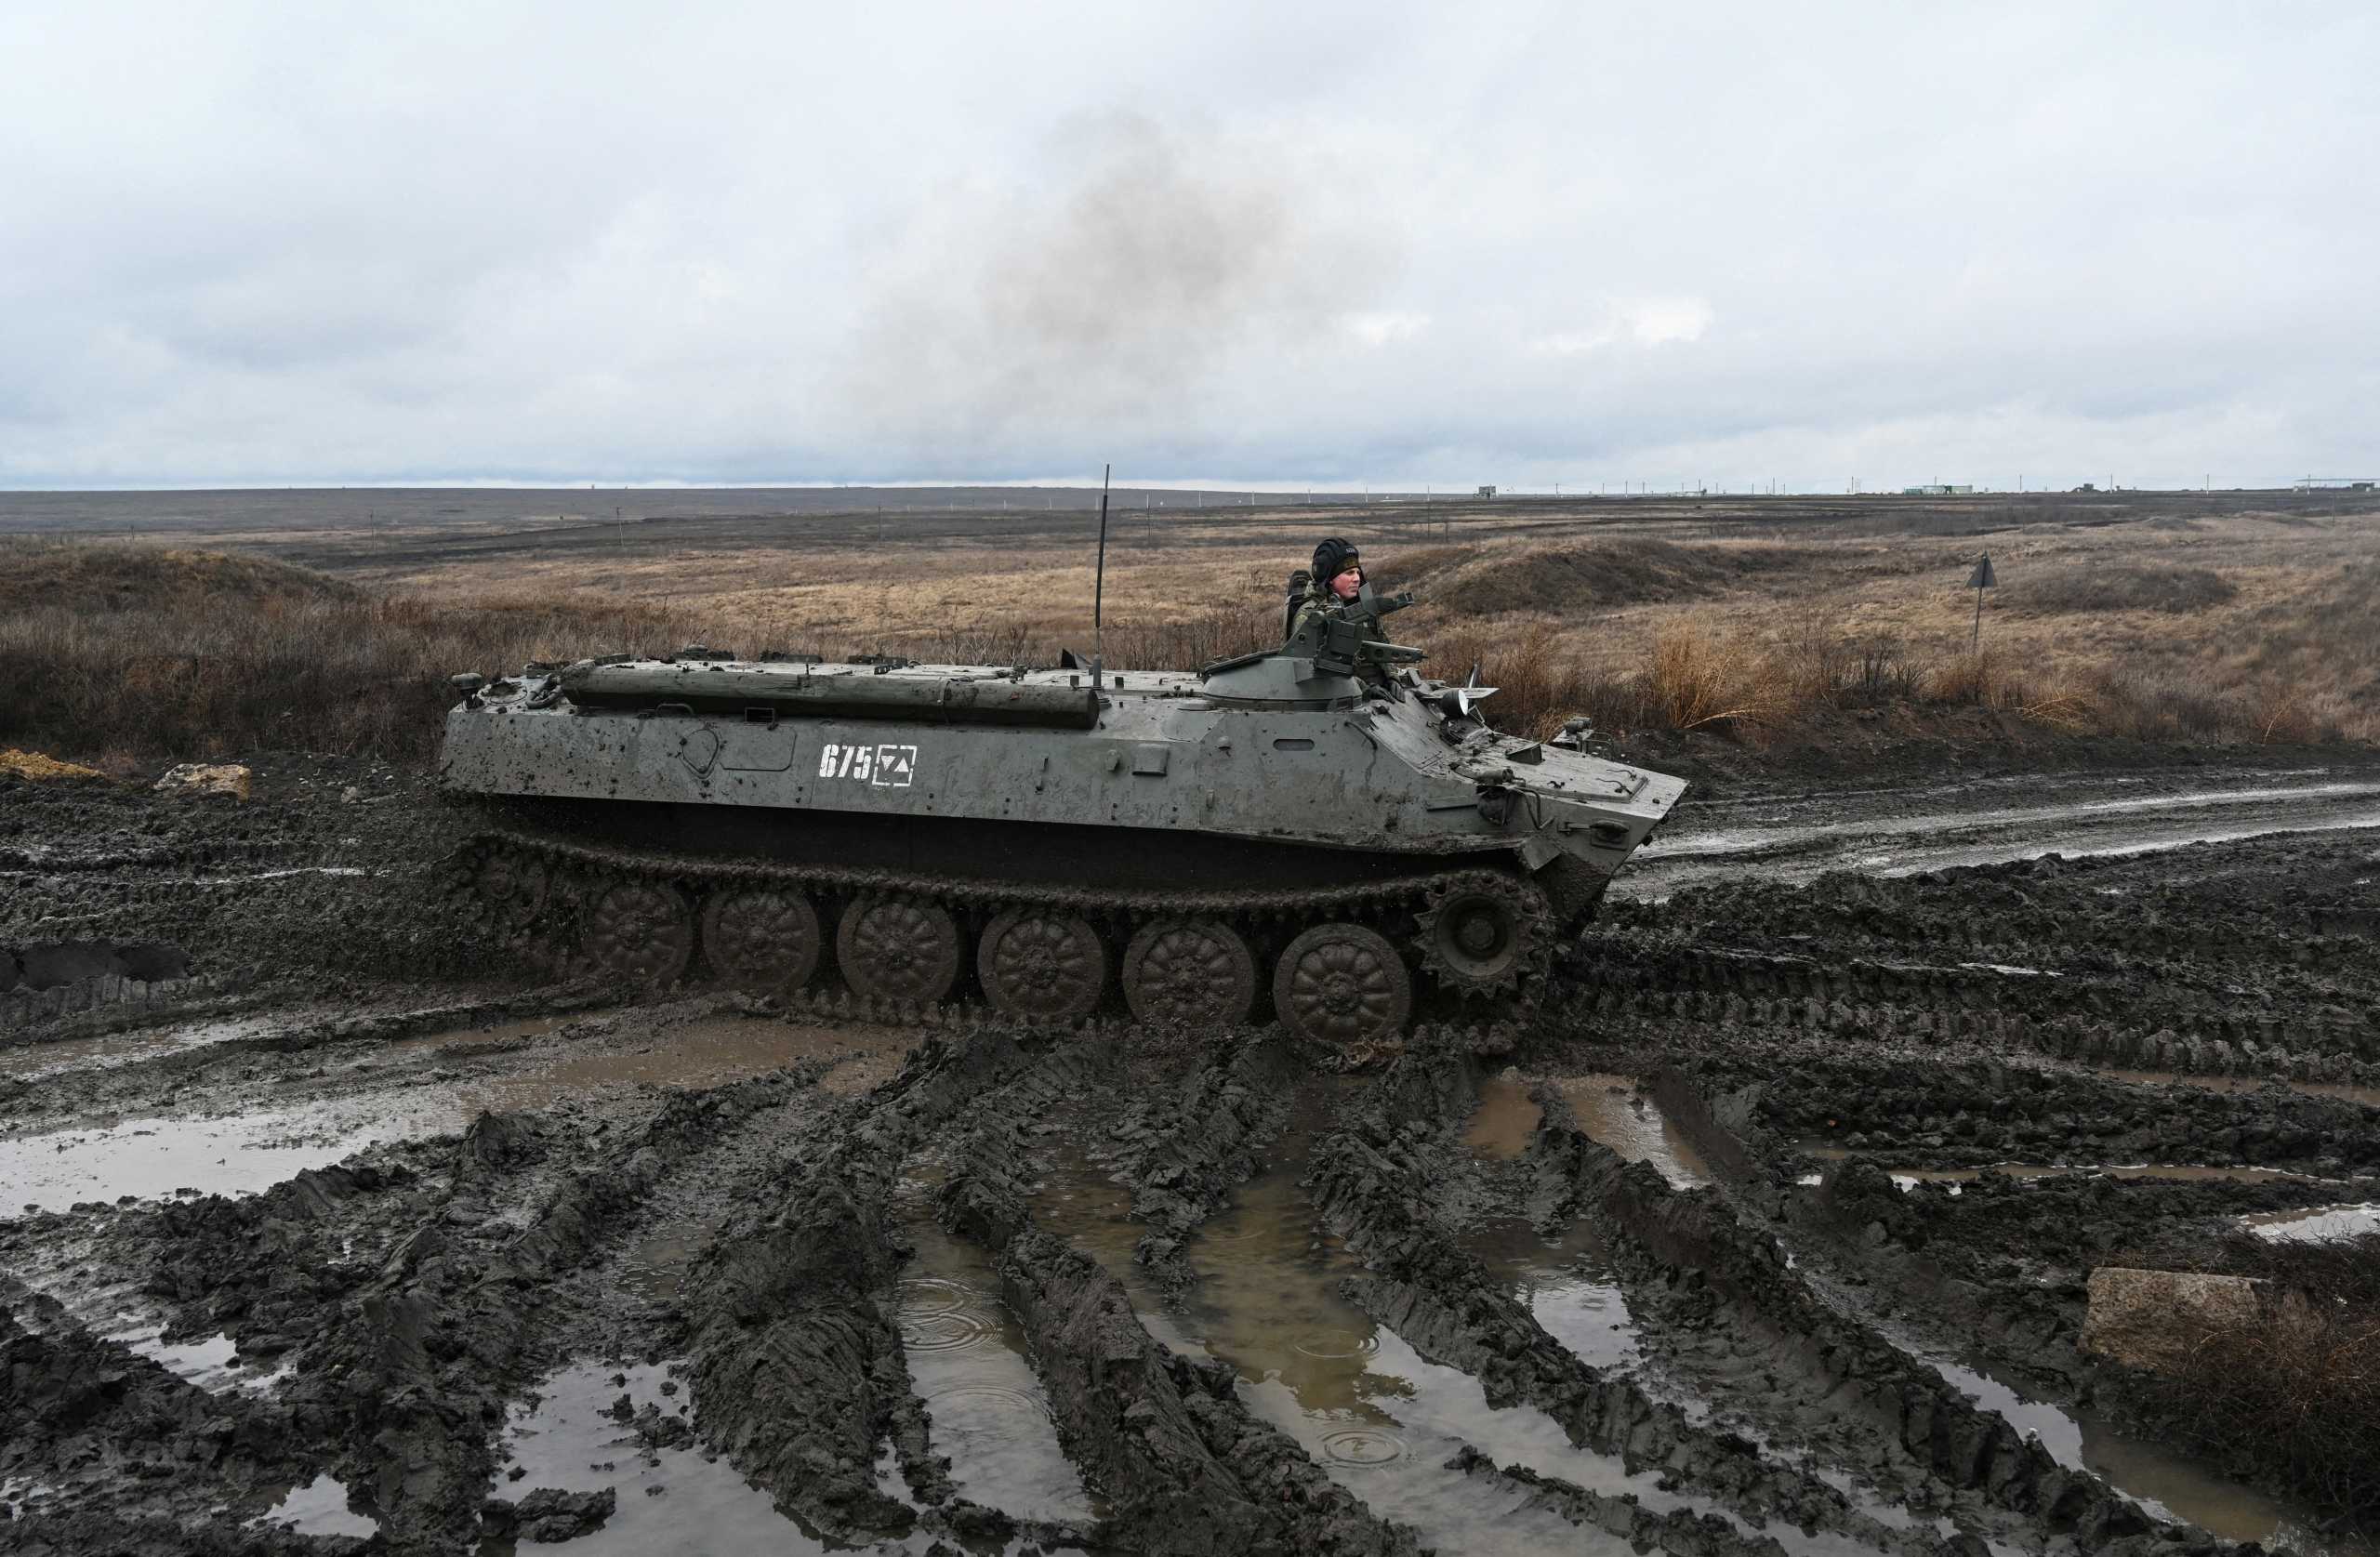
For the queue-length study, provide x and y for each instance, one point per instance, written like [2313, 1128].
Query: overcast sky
[1362, 243]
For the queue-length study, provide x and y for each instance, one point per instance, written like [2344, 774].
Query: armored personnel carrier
[1316, 829]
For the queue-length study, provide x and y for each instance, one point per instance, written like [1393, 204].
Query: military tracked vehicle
[1316, 831]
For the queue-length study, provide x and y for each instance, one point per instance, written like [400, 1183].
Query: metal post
[1099, 587]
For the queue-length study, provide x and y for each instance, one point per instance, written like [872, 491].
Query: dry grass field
[2181, 617]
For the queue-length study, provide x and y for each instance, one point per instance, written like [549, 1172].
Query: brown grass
[122, 650]
[147, 661]
[2148, 587]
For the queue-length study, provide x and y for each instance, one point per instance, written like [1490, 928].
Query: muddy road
[1772, 1236]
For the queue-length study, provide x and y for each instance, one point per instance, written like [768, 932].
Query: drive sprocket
[1483, 936]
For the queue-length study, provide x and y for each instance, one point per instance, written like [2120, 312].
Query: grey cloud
[1333, 241]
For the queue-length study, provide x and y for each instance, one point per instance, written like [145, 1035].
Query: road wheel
[762, 939]
[898, 948]
[1189, 970]
[513, 886]
[640, 930]
[1042, 965]
[1345, 986]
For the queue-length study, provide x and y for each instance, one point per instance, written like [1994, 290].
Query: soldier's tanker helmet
[1333, 559]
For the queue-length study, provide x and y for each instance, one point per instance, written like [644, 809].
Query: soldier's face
[1346, 585]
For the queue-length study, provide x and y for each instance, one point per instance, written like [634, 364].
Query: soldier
[1338, 574]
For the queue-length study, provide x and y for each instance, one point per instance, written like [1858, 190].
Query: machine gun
[1349, 637]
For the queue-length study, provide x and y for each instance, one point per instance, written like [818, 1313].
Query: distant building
[1937, 489]
[1486, 491]
[2338, 483]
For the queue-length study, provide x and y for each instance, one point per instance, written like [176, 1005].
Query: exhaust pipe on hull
[836, 692]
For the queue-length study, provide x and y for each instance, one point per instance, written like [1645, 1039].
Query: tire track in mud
[2252, 959]
[796, 1363]
[1374, 1180]
[408, 1304]
[1183, 1463]
[1986, 1270]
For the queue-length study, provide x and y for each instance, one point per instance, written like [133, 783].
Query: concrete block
[2150, 1319]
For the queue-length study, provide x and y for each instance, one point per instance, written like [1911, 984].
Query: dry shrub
[2295, 1393]
[1196, 638]
[1528, 668]
[1815, 662]
[1991, 678]
[1704, 677]
[2142, 587]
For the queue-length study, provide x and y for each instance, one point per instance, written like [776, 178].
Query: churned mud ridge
[1682, 1532]
[263, 1269]
[36, 1534]
[1183, 1465]
[319, 1053]
[1371, 1180]
[91, 1420]
[797, 1365]
[1184, 1150]
[1723, 1302]
[1980, 1112]
[411, 1372]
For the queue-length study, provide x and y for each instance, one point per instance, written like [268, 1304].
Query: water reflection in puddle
[1611, 1111]
[968, 1361]
[2317, 1224]
[1382, 1419]
[242, 1154]
[2167, 1485]
[108, 1050]
[669, 1499]
[1566, 1284]
[212, 1364]
[322, 1507]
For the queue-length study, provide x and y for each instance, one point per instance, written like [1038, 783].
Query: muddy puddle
[1382, 1419]
[1902, 845]
[1379, 1418]
[322, 1507]
[2317, 1224]
[243, 1152]
[31, 1061]
[1612, 1113]
[1609, 1110]
[1566, 1285]
[969, 1363]
[2165, 1484]
[671, 1497]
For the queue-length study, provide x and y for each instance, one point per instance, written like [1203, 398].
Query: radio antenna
[1099, 586]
